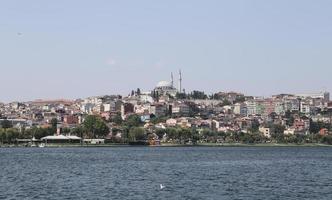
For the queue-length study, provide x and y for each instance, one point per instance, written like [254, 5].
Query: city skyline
[77, 49]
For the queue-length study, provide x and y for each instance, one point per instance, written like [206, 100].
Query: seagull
[162, 186]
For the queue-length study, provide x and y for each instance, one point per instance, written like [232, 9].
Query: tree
[11, 134]
[198, 95]
[180, 95]
[195, 136]
[95, 127]
[117, 119]
[26, 134]
[184, 134]
[138, 91]
[2, 135]
[133, 121]
[78, 131]
[65, 130]
[6, 124]
[254, 126]
[327, 139]
[239, 99]
[160, 133]
[156, 120]
[41, 132]
[289, 116]
[172, 133]
[278, 128]
[54, 124]
[136, 134]
[315, 127]
[226, 103]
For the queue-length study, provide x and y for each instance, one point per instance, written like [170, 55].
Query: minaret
[180, 81]
[172, 81]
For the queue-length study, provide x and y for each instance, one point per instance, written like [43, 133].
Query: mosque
[167, 88]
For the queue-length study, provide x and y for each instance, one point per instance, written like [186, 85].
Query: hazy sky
[77, 48]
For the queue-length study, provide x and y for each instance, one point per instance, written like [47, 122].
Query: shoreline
[174, 145]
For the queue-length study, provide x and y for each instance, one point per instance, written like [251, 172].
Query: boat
[41, 145]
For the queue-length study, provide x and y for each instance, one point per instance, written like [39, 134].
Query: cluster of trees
[193, 95]
[137, 134]
[132, 130]
[6, 124]
[93, 127]
[136, 93]
[8, 135]
[315, 127]
[179, 135]
[128, 128]
[231, 137]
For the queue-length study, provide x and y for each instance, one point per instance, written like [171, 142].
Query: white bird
[162, 186]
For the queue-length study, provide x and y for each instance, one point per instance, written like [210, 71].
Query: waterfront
[186, 172]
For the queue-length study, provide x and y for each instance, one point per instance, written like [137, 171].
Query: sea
[166, 173]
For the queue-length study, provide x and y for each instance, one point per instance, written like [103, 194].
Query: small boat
[41, 145]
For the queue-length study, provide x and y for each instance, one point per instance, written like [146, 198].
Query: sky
[80, 48]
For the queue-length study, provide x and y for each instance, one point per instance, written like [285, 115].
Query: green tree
[254, 126]
[138, 91]
[2, 135]
[54, 124]
[78, 131]
[26, 134]
[6, 124]
[137, 134]
[160, 133]
[133, 121]
[315, 127]
[117, 119]
[240, 99]
[156, 120]
[95, 127]
[39, 133]
[172, 133]
[11, 135]
[198, 95]
[327, 139]
[184, 134]
[65, 130]
[195, 136]
[226, 103]
[180, 95]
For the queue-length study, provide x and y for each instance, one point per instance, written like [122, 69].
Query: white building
[165, 88]
[240, 109]
[319, 95]
[180, 109]
[265, 131]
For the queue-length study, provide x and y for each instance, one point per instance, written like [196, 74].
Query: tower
[172, 81]
[180, 81]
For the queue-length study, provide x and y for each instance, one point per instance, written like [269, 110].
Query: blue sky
[77, 48]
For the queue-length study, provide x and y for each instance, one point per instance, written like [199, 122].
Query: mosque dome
[163, 84]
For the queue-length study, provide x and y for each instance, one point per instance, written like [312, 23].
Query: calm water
[187, 173]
